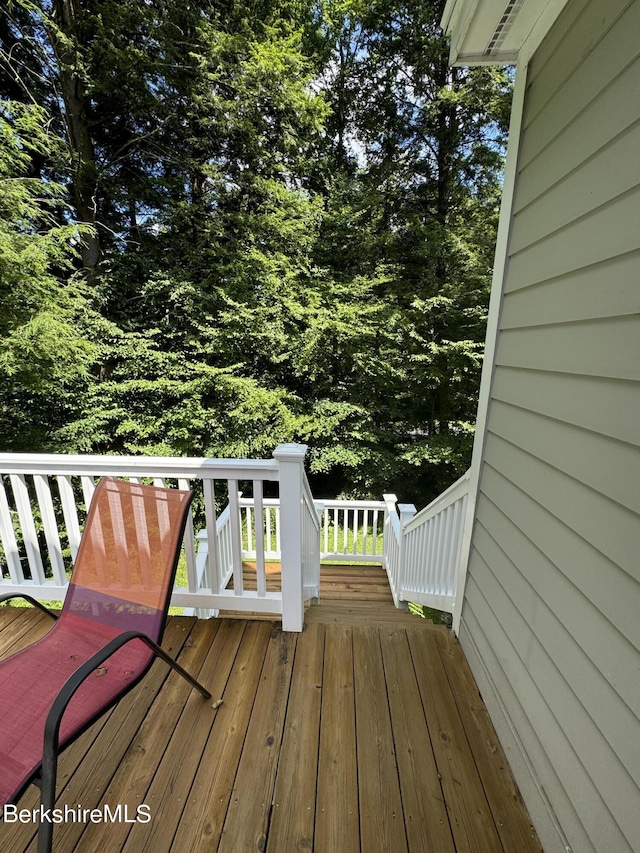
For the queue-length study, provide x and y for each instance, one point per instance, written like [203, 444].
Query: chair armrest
[9, 595]
[75, 680]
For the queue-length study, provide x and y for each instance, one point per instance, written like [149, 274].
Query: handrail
[309, 500]
[141, 466]
[392, 541]
[310, 543]
[420, 552]
[449, 496]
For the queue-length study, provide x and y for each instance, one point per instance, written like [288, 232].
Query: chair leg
[48, 793]
[160, 652]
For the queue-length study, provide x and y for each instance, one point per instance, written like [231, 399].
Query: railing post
[390, 506]
[290, 458]
[406, 512]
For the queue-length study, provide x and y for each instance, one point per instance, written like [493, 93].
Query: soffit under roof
[496, 31]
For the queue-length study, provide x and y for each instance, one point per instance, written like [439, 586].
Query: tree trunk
[63, 33]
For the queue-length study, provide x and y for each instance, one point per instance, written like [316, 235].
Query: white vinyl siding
[551, 618]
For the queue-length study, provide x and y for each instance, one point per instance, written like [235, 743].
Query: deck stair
[349, 594]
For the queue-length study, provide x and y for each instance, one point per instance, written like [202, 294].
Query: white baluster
[27, 524]
[211, 526]
[189, 542]
[70, 514]
[9, 542]
[50, 524]
[261, 574]
[236, 537]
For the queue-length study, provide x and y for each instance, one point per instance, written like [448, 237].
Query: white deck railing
[43, 501]
[431, 546]
[350, 531]
[353, 531]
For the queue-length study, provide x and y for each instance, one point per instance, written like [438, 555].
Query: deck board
[337, 813]
[171, 785]
[500, 788]
[210, 794]
[293, 821]
[425, 814]
[381, 817]
[470, 817]
[131, 784]
[246, 825]
[343, 738]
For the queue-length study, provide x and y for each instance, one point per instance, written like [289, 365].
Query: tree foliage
[223, 228]
[42, 350]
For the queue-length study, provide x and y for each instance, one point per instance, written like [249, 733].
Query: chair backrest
[128, 555]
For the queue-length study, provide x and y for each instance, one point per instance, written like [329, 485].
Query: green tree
[42, 349]
[412, 208]
[205, 279]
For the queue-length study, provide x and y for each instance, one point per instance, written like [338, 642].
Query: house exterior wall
[551, 616]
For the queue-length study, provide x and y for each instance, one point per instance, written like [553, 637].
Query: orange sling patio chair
[103, 642]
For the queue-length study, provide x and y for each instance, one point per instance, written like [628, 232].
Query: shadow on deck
[342, 738]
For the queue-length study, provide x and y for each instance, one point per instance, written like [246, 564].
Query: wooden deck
[344, 738]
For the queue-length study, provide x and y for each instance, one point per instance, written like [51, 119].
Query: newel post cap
[407, 511]
[290, 452]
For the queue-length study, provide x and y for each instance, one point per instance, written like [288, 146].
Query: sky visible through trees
[224, 226]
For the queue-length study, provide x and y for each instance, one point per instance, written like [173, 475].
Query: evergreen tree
[413, 209]
[43, 353]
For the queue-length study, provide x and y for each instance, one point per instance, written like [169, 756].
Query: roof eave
[497, 32]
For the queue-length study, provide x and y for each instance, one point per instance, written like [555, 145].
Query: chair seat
[31, 679]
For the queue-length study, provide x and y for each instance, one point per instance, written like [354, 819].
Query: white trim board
[493, 323]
